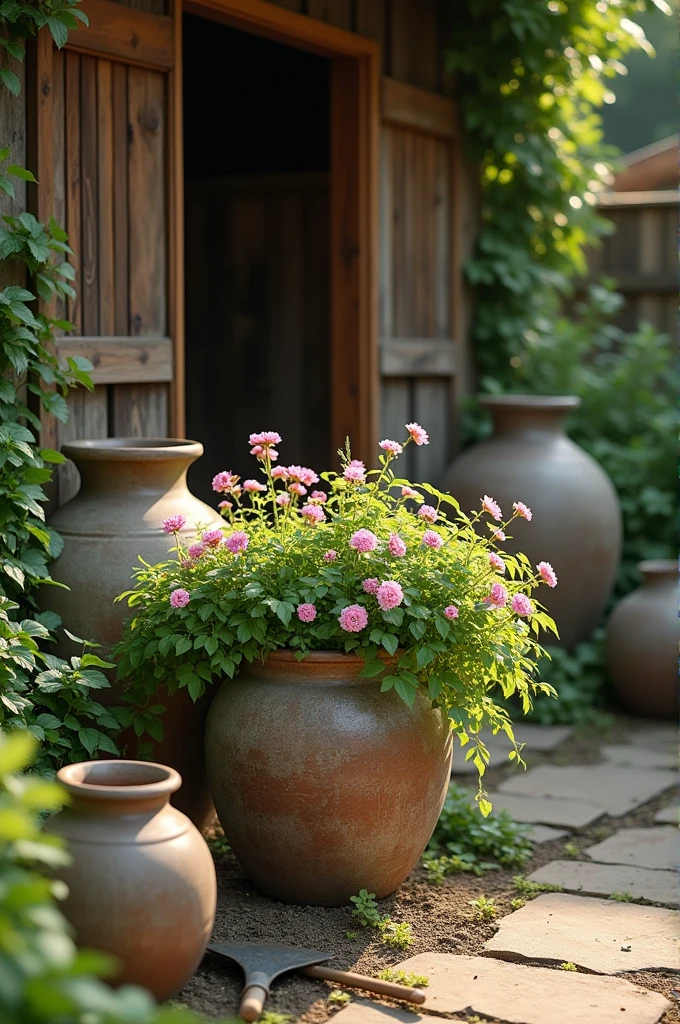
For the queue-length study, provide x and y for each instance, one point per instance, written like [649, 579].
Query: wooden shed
[269, 209]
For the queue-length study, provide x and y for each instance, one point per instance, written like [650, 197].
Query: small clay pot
[323, 784]
[642, 643]
[142, 880]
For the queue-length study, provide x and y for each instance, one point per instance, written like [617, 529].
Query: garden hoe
[261, 964]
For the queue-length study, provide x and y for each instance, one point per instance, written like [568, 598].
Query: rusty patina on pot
[142, 880]
[323, 784]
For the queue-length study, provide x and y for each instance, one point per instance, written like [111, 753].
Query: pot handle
[252, 1002]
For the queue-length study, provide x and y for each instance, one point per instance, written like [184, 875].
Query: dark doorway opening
[256, 157]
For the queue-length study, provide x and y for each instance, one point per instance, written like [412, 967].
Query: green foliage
[571, 850]
[465, 840]
[409, 979]
[568, 966]
[398, 936]
[279, 589]
[21, 19]
[621, 897]
[352, 936]
[45, 979]
[367, 914]
[338, 998]
[484, 907]
[530, 890]
[365, 908]
[531, 76]
[270, 1017]
[579, 677]
[218, 845]
[518, 903]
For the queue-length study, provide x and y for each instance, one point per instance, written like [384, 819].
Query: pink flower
[313, 514]
[355, 473]
[186, 563]
[492, 507]
[408, 492]
[272, 453]
[196, 550]
[522, 510]
[547, 573]
[303, 475]
[496, 561]
[173, 524]
[330, 555]
[306, 612]
[237, 541]
[363, 541]
[396, 546]
[297, 489]
[235, 490]
[283, 499]
[212, 538]
[371, 585]
[179, 598]
[353, 619]
[253, 486]
[266, 437]
[226, 504]
[417, 433]
[257, 450]
[521, 604]
[393, 447]
[432, 539]
[498, 596]
[428, 513]
[389, 595]
[279, 473]
[498, 535]
[320, 497]
[224, 481]
[451, 612]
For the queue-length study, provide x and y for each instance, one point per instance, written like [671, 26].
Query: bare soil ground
[441, 917]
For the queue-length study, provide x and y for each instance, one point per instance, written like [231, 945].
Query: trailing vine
[21, 19]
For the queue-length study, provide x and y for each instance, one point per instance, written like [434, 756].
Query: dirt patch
[441, 917]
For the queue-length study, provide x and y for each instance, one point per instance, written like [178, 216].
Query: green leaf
[89, 739]
[183, 645]
[390, 642]
[9, 79]
[371, 668]
[21, 172]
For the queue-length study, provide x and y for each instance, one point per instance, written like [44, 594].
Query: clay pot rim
[160, 780]
[547, 403]
[285, 654]
[125, 449]
[660, 566]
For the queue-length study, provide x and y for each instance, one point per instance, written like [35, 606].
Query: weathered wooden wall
[642, 256]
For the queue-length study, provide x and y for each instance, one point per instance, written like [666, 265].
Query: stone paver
[644, 847]
[604, 879]
[655, 736]
[668, 814]
[525, 995]
[360, 1011]
[545, 834]
[614, 790]
[631, 756]
[599, 935]
[535, 737]
[547, 811]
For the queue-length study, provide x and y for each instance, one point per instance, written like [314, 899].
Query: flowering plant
[372, 564]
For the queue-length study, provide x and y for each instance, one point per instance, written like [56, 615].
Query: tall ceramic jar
[323, 784]
[642, 643]
[141, 879]
[128, 487]
[576, 523]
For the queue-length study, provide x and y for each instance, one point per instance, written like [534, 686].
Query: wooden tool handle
[381, 988]
[252, 1002]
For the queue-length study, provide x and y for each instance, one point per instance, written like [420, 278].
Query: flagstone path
[555, 959]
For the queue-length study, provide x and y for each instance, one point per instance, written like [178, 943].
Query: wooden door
[107, 138]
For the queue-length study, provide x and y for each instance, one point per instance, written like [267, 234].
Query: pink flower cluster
[522, 510]
[451, 612]
[353, 619]
[355, 472]
[547, 573]
[389, 595]
[237, 541]
[226, 483]
[253, 486]
[371, 585]
[302, 475]
[396, 546]
[306, 612]
[263, 444]
[173, 524]
[179, 598]
[196, 550]
[408, 492]
[417, 433]
[496, 562]
[363, 541]
[492, 507]
[330, 555]
[432, 540]
[212, 538]
[428, 513]
[393, 447]
[498, 596]
[521, 604]
[313, 514]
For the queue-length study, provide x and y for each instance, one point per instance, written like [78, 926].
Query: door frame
[354, 131]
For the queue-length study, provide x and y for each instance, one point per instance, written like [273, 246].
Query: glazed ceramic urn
[128, 487]
[642, 643]
[576, 524]
[323, 784]
[141, 882]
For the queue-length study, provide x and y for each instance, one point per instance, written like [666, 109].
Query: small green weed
[366, 908]
[485, 908]
[409, 979]
[269, 1017]
[601, 832]
[366, 912]
[218, 845]
[338, 998]
[518, 903]
[621, 897]
[397, 935]
[571, 850]
[568, 966]
[530, 890]
[352, 936]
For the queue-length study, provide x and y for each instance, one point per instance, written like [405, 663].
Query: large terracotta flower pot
[642, 643]
[128, 487]
[323, 784]
[142, 881]
[576, 523]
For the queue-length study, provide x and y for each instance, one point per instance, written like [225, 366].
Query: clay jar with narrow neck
[576, 524]
[323, 784]
[642, 643]
[128, 487]
[141, 879]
